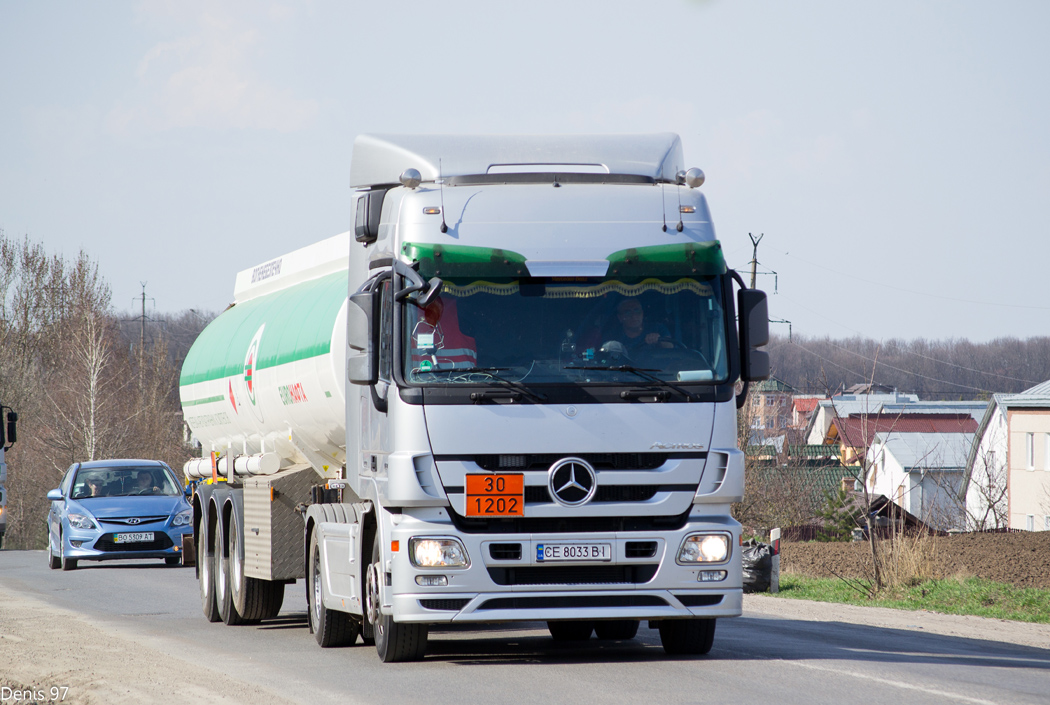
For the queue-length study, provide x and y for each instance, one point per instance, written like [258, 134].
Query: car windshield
[568, 330]
[93, 483]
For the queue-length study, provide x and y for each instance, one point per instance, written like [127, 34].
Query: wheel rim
[316, 611]
[236, 567]
[203, 560]
[373, 598]
[220, 582]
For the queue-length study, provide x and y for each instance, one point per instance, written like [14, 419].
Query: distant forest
[932, 369]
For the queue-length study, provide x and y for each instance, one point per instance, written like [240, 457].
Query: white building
[922, 473]
[1007, 477]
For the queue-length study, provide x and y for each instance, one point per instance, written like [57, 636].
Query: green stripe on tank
[299, 322]
[209, 400]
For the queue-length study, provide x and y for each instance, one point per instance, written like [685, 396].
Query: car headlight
[704, 548]
[183, 518]
[437, 553]
[80, 521]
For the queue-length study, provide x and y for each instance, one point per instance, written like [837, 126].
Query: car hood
[112, 507]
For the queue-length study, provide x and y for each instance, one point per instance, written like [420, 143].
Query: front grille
[699, 600]
[505, 551]
[127, 521]
[600, 461]
[640, 549]
[446, 605]
[160, 542]
[580, 601]
[574, 575]
[567, 525]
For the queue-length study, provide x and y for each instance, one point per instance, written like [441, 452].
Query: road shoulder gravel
[1007, 631]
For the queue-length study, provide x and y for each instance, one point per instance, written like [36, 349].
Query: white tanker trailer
[510, 394]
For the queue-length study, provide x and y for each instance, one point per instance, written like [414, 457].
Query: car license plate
[496, 495]
[550, 552]
[133, 538]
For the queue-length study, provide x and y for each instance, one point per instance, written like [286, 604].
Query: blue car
[115, 510]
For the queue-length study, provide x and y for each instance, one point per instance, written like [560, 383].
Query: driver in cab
[636, 333]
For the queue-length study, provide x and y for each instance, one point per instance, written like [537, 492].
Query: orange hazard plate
[492, 495]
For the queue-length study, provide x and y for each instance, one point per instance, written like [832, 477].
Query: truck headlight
[704, 548]
[183, 518]
[80, 521]
[437, 553]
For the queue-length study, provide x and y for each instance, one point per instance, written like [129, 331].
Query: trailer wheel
[329, 627]
[205, 574]
[223, 578]
[395, 641]
[254, 599]
[687, 636]
[616, 629]
[571, 630]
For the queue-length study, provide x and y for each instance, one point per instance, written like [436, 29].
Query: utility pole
[754, 257]
[142, 327]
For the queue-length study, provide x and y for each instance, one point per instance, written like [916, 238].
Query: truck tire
[570, 630]
[616, 629]
[206, 574]
[330, 627]
[253, 599]
[395, 642]
[687, 636]
[223, 578]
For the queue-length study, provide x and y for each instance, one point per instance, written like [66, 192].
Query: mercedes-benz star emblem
[572, 482]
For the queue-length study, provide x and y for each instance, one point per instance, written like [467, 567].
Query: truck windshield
[568, 330]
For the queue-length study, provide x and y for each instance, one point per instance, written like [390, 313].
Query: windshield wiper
[643, 372]
[512, 385]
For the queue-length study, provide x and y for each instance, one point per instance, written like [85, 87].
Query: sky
[894, 155]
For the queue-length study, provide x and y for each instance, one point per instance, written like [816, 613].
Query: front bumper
[524, 589]
[99, 545]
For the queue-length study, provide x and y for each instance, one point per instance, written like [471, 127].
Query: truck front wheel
[330, 627]
[394, 641]
[687, 636]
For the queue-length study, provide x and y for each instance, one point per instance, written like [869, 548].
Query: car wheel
[173, 560]
[395, 641]
[53, 561]
[205, 573]
[67, 563]
[571, 630]
[617, 629]
[329, 627]
[223, 579]
[687, 636]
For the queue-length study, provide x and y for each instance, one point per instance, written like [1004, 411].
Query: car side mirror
[55, 495]
[362, 318]
[754, 333]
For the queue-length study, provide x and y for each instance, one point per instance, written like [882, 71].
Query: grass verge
[973, 596]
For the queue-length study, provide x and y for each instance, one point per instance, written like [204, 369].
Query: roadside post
[774, 578]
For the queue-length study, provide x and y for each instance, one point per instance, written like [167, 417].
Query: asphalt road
[758, 658]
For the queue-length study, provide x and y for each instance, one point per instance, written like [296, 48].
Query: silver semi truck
[508, 394]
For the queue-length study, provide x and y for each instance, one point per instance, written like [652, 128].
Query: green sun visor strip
[464, 261]
[690, 258]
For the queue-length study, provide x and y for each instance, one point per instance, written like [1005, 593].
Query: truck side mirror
[362, 318]
[754, 333]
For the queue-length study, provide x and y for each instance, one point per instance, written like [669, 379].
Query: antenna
[663, 203]
[441, 194]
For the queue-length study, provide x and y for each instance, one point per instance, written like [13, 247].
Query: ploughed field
[1021, 559]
